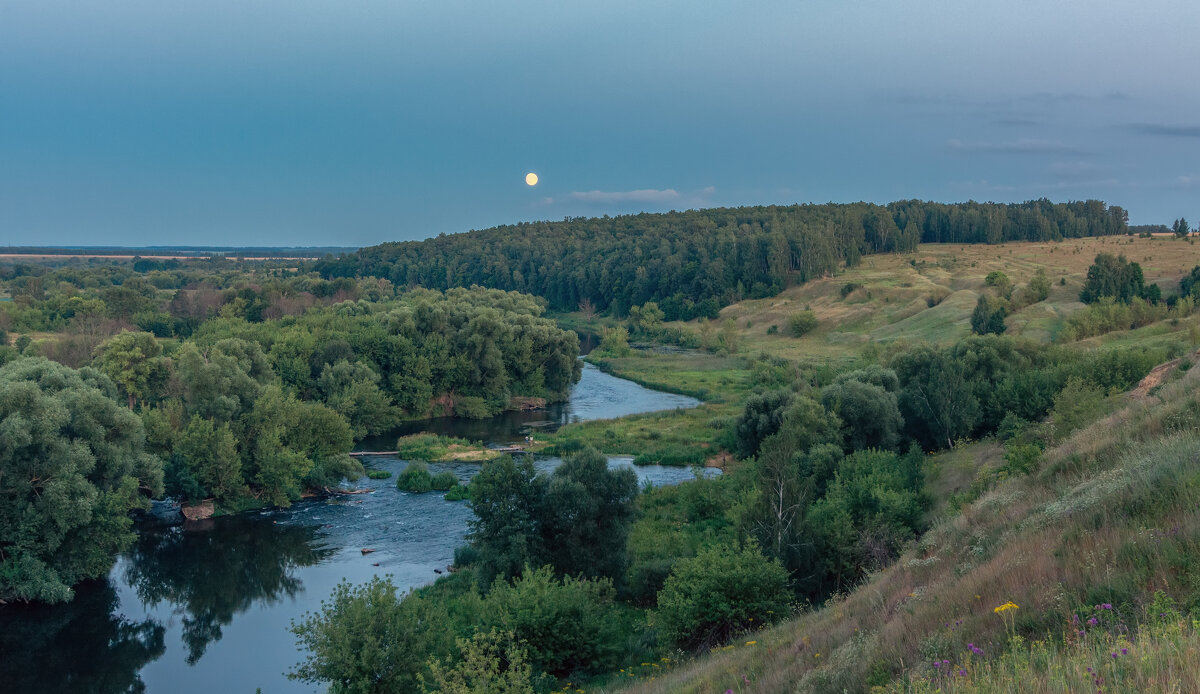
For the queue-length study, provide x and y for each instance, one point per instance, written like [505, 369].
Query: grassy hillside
[1109, 518]
[929, 295]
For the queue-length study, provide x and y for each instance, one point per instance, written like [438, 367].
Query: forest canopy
[692, 263]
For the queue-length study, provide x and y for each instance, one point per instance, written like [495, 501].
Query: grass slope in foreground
[1099, 549]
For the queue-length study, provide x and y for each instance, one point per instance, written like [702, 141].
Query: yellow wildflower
[1010, 605]
[751, 643]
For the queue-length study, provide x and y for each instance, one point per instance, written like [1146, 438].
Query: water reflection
[597, 395]
[211, 571]
[205, 608]
[87, 645]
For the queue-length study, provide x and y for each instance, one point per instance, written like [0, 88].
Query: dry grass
[1112, 516]
[896, 291]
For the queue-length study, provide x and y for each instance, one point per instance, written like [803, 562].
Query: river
[206, 608]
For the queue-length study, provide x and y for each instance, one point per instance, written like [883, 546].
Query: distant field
[115, 256]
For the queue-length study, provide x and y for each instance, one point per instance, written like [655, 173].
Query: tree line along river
[206, 607]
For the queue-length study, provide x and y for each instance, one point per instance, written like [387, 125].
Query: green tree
[72, 466]
[761, 416]
[1181, 228]
[645, 319]
[211, 456]
[1000, 281]
[587, 515]
[988, 316]
[1113, 277]
[567, 625]
[352, 390]
[294, 444]
[720, 593]
[614, 342]
[506, 496]
[134, 362]
[936, 400]
[870, 415]
[367, 640]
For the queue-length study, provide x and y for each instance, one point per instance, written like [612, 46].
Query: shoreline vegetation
[945, 463]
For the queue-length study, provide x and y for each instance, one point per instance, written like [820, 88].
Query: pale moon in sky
[531, 178]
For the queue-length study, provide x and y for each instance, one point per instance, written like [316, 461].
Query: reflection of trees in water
[212, 574]
[81, 646]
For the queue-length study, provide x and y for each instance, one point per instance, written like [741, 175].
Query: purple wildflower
[962, 672]
[1114, 654]
[1107, 606]
[1093, 621]
[1124, 651]
[937, 663]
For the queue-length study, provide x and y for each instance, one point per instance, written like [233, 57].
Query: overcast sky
[351, 122]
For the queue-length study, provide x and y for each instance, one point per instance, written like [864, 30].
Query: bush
[415, 478]
[1021, 459]
[802, 323]
[720, 593]
[472, 407]
[567, 626]
[378, 474]
[465, 555]
[443, 481]
[427, 446]
[458, 492]
[487, 662]
[366, 639]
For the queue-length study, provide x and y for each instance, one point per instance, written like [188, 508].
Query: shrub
[720, 593]
[567, 626]
[378, 474]
[415, 478]
[487, 662]
[443, 481]
[366, 638]
[458, 492]
[1021, 459]
[800, 324]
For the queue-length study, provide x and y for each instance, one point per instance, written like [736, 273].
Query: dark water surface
[206, 608]
[597, 395]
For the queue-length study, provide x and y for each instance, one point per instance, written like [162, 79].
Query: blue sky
[300, 122]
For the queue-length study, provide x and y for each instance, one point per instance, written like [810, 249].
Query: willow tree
[71, 468]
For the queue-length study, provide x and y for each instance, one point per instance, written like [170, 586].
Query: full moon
[531, 178]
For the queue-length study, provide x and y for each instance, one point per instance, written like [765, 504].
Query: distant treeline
[692, 263]
[197, 251]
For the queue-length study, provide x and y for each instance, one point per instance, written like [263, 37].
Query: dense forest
[693, 263]
[209, 381]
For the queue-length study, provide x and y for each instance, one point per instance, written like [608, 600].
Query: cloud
[644, 195]
[1167, 130]
[1022, 146]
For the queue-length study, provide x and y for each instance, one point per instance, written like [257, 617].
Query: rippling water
[206, 608]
